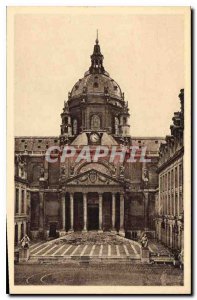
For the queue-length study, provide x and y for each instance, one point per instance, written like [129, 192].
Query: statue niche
[95, 122]
[75, 126]
[116, 125]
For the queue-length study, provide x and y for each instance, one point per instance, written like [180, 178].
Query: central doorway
[93, 217]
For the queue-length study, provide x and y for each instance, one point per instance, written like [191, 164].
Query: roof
[100, 84]
[41, 143]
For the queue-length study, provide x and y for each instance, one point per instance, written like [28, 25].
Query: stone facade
[97, 195]
[169, 201]
[22, 204]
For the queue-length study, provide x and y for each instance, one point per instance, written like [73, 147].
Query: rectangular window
[176, 205]
[16, 201]
[176, 178]
[166, 180]
[163, 182]
[172, 204]
[161, 187]
[180, 203]
[23, 202]
[169, 180]
[172, 178]
[161, 204]
[180, 175]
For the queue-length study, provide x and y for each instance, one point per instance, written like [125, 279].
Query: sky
[143, 53]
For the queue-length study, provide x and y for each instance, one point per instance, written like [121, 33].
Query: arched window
[17, 201]
[36, 173]
[95, 84]
[95, 122]
[22, 201]
[124, 121]
[22, 231]
[116, 125]
[75, 126]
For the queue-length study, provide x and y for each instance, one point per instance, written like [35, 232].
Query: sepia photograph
[99, 137]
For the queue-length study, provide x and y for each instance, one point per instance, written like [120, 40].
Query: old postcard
[99, 158]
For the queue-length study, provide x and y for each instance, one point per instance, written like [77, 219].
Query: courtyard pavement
[100, 274]
[61, 262]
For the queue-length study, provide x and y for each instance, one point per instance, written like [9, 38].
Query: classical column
[171, 237]
[25, 227]
[63, 207]
[84, 212]
[100, 212]
[113, 211]
[122, 231]
[71, 212]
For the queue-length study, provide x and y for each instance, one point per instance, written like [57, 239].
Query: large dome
[95, 103]
[96, 84]
[96, 80]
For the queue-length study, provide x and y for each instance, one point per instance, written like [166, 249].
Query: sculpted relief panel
[92, 177]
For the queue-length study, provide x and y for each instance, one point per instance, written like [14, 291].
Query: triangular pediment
[93, 177]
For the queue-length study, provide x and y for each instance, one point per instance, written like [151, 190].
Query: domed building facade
[81, 193]
[95, 114]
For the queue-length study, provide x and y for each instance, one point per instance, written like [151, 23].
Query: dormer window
[76, 87]
[115, 88]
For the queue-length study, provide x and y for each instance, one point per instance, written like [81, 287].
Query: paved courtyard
[64, 262]
[99, 274]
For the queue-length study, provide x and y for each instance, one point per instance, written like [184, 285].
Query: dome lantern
[96, 59]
